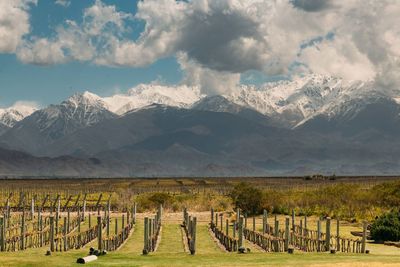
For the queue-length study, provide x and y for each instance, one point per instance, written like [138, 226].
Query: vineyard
[103, 222]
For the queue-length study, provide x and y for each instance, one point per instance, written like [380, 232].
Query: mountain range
[312, 124]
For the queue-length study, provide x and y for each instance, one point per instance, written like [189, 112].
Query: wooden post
[212, 216]
[57, 216]
[276, 235]
[193, 236]
[90, 221]
[99, 235]
[32, 208]
[245, 220]
[116, 226]
[23, 230]
[222, 221]
[146, 236]
[51, 233]
[287, 229]
[254, 223]
[68, 221]
[337, 235]
[226, 227]
[293, 220]
[234, 230]
[364, 237]
[328, 234]
[264, 221]
[305, 225]
[237, 215]
[301, 233]
[216, 220]
[319, 236]
[240, 232]
[84, 209]
[40, 218]
[65, 233]
[2, 233]
[134, 213]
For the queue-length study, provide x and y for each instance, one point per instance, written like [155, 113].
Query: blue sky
[53, 83]
[51, 49]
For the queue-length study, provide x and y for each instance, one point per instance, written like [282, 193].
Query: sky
[50, 49]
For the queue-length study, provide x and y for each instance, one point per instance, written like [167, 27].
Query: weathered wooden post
[212, 216]
[99, 235]
[222, 221]
[40, 218]
[57, 216]
[134, 213]
[319, 236]
[146, 236]
[337, 235]
[254, 223]
[276, 234]
[245, 220]
[79, 229]
[227, 227]
[65, 233]
[216, 220]
[116, 226]
[51, 233]
[305, 226]
[364, 237]
[264, 221]
[23, 229]
[90, 220]
[287, 236]
[328, 234]
[2, 234]
[293, 221]
[69, 220]
[193, 236]
[240, 233]
[32, 208]
[237, 215]
[123, 226]
[234, 230]
[301, 233]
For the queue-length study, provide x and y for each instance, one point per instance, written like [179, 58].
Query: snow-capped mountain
[49, 124]
[145, 95]
[10, 116]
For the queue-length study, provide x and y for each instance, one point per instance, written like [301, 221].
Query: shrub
[386, 227]
[247, 198]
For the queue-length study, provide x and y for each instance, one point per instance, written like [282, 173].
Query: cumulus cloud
[76, 41]
[64, 3]
[217, 41]
[14, 23]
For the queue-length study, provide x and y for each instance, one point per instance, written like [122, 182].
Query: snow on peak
[17, 112]
[86, 99]
[148, 94]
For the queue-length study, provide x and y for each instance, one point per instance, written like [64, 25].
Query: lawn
[171, 253]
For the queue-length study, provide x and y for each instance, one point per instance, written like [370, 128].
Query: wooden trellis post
[364, 237]
[240, 233]
[99, 235]
[193, 236]
[51, 233]
[293, 220]
[65, 233]
[337, 235]
[328, 234]
[212, 216]
[146, 236]
[319, 236]
[227, 227]
[2, 233]
[254, 223]
[265, 216]
[23, 229]
[276, 234]
[287, 229]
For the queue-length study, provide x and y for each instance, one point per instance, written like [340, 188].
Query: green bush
[247, 198]
[386, 227]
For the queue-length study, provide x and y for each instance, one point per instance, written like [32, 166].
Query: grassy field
[171, 252]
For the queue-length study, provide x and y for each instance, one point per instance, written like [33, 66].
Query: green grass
[171, 253]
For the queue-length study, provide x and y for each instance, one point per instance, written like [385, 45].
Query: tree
[386, 227]
[247, 198]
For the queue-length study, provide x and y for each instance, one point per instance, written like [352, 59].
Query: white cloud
[217, 41]
[14, 23]
[72, 41]
[64, 3]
